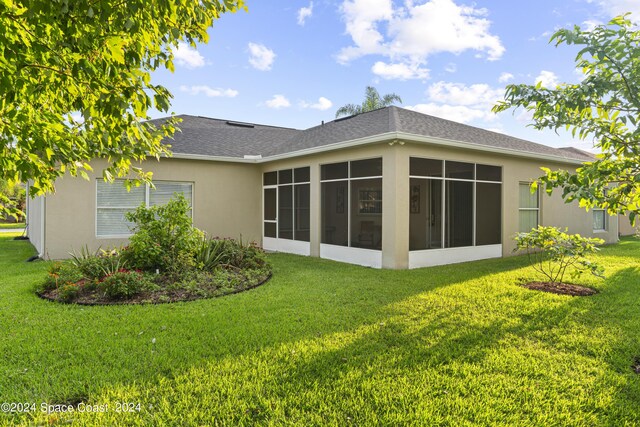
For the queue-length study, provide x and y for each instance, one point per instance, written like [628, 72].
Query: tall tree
[604, 106]
[75, 82]
[372, 101]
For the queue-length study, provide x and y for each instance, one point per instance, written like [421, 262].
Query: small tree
[604, 106]
[552, 251]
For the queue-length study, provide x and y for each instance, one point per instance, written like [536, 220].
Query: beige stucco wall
[228, 198]
[395, 229]
[226, 203]
[625, 227]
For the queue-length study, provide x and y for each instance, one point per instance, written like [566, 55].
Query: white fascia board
[211, 158]
[384, 137]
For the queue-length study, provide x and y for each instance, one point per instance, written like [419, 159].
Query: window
[113, 201]
[599, 220]
[454, 204]
[529, 208]
[287, 204]
[352, 204]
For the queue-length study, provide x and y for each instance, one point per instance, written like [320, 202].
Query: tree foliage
[372, 101]
[75, 82]
[604, 106]
[552, 251]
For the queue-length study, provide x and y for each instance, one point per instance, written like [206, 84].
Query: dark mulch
[161, 296]
[561, 288]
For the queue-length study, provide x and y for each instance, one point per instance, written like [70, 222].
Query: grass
[11, 225]
[325, 343]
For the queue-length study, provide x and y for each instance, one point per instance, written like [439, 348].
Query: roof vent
[241, 125]
[253, 156]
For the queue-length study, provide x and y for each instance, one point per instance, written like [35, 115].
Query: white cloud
[451, 67]
[458, 113]
[399, 71]
[548, 79]
[304, 13]
[618, 7]
[322, 104]
[525, 116]
[209, 91]
[187, 56]
[505, 77]
[277, 102]
[590, 24]
[460, 102]
[261, 57]
[544, 36]
[409, 34]
[479, 95]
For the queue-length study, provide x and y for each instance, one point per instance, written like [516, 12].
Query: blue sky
[294, 63]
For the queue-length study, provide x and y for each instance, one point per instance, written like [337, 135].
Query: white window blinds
[113, 201]
[164, 191]
[529, 208]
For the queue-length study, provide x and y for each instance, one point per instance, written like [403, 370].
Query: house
[390, 188]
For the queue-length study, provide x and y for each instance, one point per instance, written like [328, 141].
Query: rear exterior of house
[386, 189]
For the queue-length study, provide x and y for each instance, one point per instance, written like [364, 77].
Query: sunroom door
[270, 223]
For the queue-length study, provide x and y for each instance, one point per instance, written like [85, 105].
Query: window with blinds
[113, 201]
[529, 208]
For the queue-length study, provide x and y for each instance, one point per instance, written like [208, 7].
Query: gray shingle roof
[215, 137]
[225, 138]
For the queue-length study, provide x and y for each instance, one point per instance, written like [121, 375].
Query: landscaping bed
[161, 289]
[561, 288]
[167, 260]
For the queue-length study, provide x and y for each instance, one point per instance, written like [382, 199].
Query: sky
[294, 63]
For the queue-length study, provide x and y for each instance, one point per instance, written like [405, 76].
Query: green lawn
[325, 343]
[11, 226]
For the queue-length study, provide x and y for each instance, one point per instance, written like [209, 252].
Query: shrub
[59, 274]
[164, 238]
[552, 251]
[69, 292]
[124, 284]
[96, 265]
[210, 254]
[243, 256]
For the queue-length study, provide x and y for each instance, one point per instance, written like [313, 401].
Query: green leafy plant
[111, 262]
[69, 292]
[210, 254]
[551, 252]
[96, 265]
[241, 255]
[164, 237]
[603, 107]
[123, 284]
[59, 274]
[76, 83]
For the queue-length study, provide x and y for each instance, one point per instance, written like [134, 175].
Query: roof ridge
[226, 120]
[502, 135]
[394, 118]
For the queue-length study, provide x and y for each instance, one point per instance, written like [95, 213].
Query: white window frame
[521, 209]
[604, 220]
[146, 202]
[443, 179]
[349, 180]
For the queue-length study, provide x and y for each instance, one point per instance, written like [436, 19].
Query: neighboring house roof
[207, 137]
